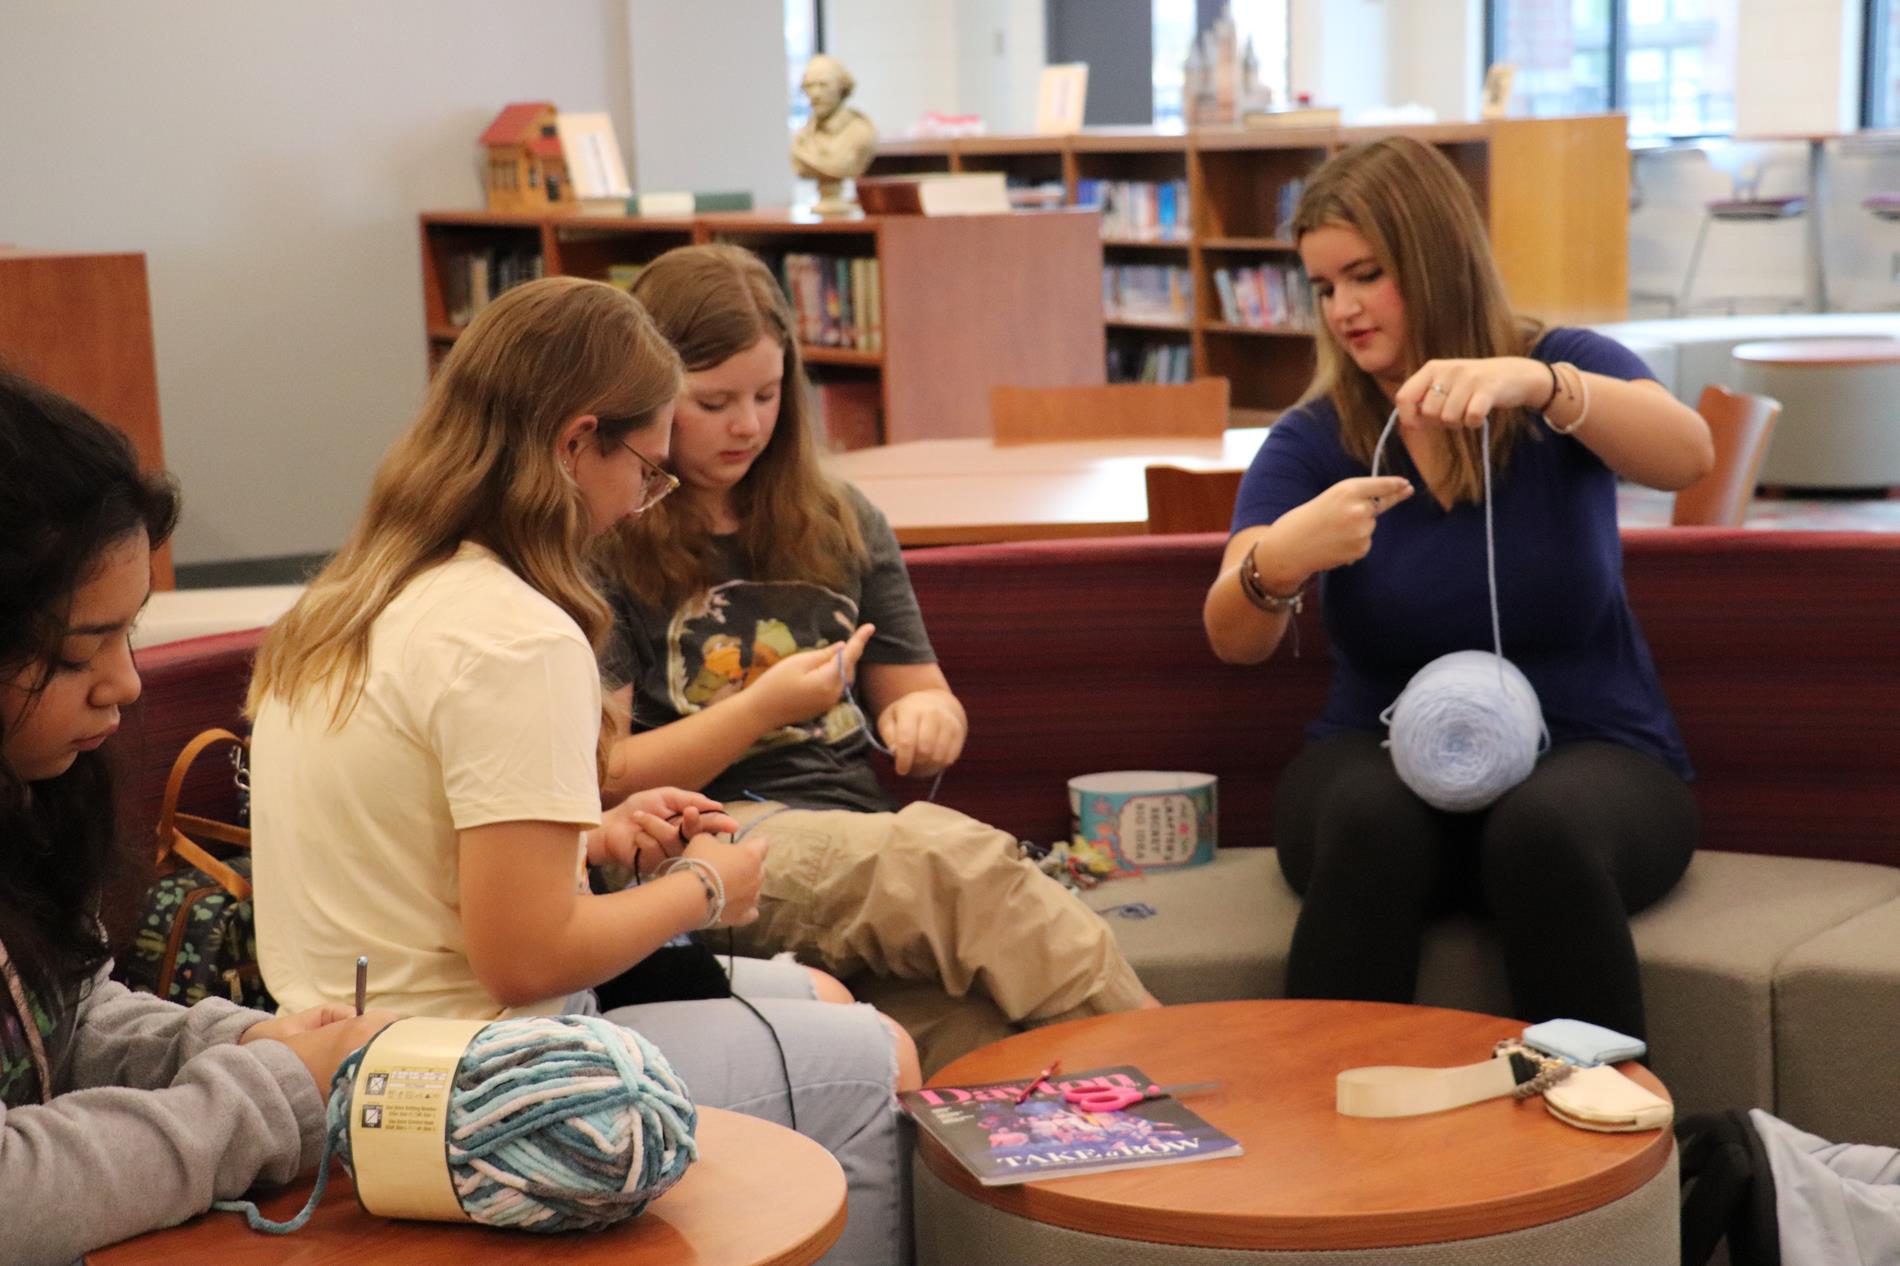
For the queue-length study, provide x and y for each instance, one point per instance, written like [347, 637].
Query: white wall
[710, 97]
[270, 160]
[1001, 48]
[1798, 66]
[903, 53]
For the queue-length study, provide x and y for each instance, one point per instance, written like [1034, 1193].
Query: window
[1880, 104]
[1259, 24]
[803, 36]
[1669, 64]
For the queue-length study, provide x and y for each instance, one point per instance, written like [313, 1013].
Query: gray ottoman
[1640, 1229]
[1710, 952]
[1837, 1038]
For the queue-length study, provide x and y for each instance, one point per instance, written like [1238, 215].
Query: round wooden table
[1310, 1179]
[759, 1195]
[1840, 409]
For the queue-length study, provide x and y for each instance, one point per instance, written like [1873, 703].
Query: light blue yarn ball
[1466, 729]
[558, 1123]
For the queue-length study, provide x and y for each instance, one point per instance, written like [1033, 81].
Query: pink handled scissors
[1115, 1098]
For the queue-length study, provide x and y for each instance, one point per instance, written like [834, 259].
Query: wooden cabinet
[82, 325]
[967, 302]
[1554, 194]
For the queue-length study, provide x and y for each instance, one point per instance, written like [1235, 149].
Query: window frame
[1873, 60]
[1617, 54]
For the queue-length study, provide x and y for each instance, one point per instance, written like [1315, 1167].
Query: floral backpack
[197, 934]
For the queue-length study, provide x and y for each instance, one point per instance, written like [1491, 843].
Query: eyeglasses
[657, 482]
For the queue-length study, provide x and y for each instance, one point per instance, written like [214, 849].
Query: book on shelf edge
[1001, 1142]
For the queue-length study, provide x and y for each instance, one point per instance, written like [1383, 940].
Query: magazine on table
[1050, 1135]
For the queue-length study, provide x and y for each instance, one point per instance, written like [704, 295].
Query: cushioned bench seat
[1711, 953]
[1837, 1030]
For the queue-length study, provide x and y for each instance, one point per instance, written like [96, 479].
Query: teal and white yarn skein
[1467, 727]
[555, 1123]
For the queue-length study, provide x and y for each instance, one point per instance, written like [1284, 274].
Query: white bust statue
[836, 143]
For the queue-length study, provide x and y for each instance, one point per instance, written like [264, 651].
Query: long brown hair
[479, 464]
[795, 521]
[1409, 203]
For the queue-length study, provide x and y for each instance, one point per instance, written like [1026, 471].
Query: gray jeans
[843, 1064]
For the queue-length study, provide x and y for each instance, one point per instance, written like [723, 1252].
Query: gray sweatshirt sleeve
[150, 1135]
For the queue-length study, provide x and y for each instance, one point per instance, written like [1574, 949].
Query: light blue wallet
[1582, 1043]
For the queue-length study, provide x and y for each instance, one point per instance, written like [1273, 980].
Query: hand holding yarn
[323, 1047]
[924, 730]
[740, 866]
[1463, 393]
[1335, 527]
[652, 826]
[806, 684]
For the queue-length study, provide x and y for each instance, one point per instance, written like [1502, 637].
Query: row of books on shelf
[1269, 295]
[845, 413]
[1145, 209]
[1152, 361]
[1285, 202]
[1148, 292]
[838, 300]
[471, 278]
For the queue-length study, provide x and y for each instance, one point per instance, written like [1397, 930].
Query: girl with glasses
[119, 1112]
[428, 728]
[745, 605]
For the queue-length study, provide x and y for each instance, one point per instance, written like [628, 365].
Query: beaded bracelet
[709, 879]
[1550, 1070]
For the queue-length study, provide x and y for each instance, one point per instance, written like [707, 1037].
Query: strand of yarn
[556, 1123]
[1459, 740]
[870, 731]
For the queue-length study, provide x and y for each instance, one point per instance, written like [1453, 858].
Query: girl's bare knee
[828, 988]
[910, 1073]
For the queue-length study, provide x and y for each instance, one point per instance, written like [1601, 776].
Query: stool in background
[1744, 208]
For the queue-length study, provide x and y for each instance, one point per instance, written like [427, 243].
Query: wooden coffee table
[759, 1195]
[1310, 1178]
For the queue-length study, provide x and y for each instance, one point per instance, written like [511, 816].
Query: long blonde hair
[1409, 203]
[795, 521]
[479, 464]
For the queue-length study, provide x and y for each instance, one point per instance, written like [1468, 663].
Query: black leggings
[1596, 833]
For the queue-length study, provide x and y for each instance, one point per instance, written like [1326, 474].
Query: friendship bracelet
[1583, 389]
[1552, 397]
[709, 879]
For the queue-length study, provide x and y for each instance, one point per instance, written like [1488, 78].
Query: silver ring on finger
[1438, 388]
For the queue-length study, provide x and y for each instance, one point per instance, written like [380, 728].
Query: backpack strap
[172, 840]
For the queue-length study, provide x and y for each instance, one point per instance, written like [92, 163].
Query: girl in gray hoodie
[119, 1112]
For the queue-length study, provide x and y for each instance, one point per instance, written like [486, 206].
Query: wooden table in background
[1310, 1178]
[759, 1195]
[969, 491]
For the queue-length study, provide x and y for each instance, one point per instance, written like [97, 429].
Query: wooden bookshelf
[967, 302]
[1554, 193]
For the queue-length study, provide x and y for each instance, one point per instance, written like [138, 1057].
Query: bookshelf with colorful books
[905, 322]
[1554, 194]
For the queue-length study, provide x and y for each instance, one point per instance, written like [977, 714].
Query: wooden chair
[1181, 499]
[1740, 425]
[1131, 410]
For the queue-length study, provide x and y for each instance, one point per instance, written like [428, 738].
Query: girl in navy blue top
[1414, 318]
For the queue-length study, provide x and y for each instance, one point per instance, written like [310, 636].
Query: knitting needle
[362, 980]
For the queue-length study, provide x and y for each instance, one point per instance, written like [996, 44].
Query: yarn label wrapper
[399, 1114]
[1147, 819]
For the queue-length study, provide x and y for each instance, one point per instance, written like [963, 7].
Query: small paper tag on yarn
[399, 1111]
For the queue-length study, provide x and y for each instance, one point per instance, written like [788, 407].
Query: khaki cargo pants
[930, 894]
